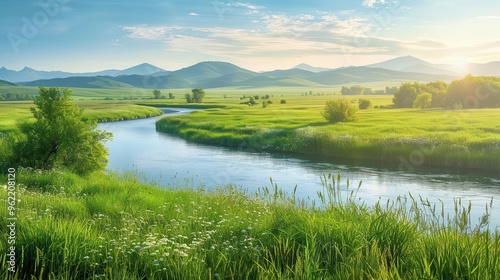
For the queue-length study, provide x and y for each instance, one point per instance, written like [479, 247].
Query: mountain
[226, 80]
[153, 81]
[214, 74]
[5, 83]
[271, 81]
[400, 63]
[80, 82]
[487, 69]
[124, 81]
[367, 74]
[294, 72]
[310, 68]
[208, 70]
[28, 74]
[141, 69]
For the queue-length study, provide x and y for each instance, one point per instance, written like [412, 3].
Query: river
[173, 162]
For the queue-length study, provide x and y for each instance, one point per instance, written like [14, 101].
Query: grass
[102, 111]
[114, 227]
[468, 139]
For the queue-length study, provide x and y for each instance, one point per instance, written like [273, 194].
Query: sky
[93, 35]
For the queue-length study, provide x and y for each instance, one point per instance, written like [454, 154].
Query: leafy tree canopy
[60, 137]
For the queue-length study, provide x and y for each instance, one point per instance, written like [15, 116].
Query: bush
[283, 101]
[364, 103]
[339, 111]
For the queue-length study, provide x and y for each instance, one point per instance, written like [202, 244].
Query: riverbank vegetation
[100, 111]
[409, 137]
[114, 227]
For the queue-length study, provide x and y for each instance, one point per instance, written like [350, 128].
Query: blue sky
[91, 35]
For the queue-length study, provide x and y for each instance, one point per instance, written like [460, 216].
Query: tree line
[470, 92]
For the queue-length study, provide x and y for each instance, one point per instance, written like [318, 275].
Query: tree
[406, 95]
[339, 111]
[171, 95]
[157, 93]
[188, 98]
[198, 95]
[423, 100]
[364, 103]
[60, 137]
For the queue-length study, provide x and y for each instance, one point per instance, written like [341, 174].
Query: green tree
[198, 95]
[364, 103]
[188, 98]
[406, 95]
[60, 137]
[157, 93]
[423, 100]
[339, 111]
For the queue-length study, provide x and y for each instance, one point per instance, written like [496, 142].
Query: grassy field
[102, 111]
[110, 227]
[412, 137]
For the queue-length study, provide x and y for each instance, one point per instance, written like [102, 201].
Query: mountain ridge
[213, 74]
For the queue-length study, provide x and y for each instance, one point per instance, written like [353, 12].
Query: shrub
[364, 103]
[283, 101]
[339, 111]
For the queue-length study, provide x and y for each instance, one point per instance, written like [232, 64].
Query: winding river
[172, 162]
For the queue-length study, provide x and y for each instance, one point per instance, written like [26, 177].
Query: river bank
[109, 226]
[465, 139]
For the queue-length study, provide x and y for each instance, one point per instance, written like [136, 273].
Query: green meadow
[110, 226]
[435, 137]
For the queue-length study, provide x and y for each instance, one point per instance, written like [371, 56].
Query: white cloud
[371, 3]
[193, 14]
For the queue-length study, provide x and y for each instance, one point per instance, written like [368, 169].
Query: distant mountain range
[214, 74]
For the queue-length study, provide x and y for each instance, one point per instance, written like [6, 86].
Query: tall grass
[114, 227]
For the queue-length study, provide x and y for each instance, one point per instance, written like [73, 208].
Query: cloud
[193, 14]
[372, 3]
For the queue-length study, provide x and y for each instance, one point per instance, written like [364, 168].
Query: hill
[80, 82]
[7, 84]
[208, 70]
[367, 74]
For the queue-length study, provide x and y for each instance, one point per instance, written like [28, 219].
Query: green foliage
[188, 97]
[157, 94]
[171, 95]
[196, 97]
[406, 95]
[113, 227]
[15, 97]
[283, 101]
[474, 92]
[364, 103]
[299, 129]
[356, 90]
[339, 111]
[60, 136]
[423, 100]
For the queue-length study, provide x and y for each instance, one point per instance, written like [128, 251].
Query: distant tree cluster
[356, 90]
[196, 97]
[15, 97]
[468, 92]
[157, 95]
